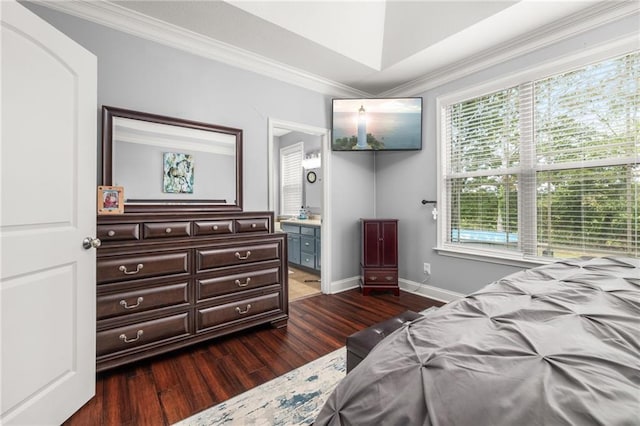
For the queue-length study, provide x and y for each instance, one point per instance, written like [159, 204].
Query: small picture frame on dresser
[110, 200]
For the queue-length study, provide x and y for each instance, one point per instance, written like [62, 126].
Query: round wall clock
[311, 177]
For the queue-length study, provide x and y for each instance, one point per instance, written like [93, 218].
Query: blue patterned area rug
[292, 399]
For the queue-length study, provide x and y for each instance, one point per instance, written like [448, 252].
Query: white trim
[589, 19]
[325, 143]
[126, 20]
[601, 52]
[429, 291]
[419, 289]
[498, 257]
[344, 285]
[135, 23]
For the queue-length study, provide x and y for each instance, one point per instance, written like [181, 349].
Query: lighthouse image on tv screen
[391, 124]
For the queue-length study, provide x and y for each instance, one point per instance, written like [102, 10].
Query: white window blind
[549, 167]
[291, 179]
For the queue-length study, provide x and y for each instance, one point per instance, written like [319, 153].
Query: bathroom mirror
[170, 164]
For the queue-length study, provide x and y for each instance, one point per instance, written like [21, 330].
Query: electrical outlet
[427, 268]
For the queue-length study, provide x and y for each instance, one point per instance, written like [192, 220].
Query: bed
[554, 345]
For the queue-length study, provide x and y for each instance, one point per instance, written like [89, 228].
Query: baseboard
[344, 285]
[429, 291]
[420, 289]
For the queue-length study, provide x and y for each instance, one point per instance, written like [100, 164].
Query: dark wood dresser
[379, 255]
[169, 280]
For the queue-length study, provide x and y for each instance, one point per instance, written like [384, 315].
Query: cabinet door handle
[241, 312]
[124, 304]
[246, 283]
[123, 337]
[245, 257]
[124, 269]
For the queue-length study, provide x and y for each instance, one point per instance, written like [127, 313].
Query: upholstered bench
[359, 344]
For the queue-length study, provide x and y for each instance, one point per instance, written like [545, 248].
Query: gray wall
[146, 76]
[404, 179]
[138, 74]
[140, 171]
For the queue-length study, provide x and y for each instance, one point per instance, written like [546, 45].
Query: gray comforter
[554, 345]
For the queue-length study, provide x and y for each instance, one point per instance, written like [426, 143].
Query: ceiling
[367, 47]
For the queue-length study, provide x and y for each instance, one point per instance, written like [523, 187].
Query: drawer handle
[253, 225]
[124, 269]
[123, 337]
[389, 278]
[168, 230]
[306, 244]
[111, 233]
[215, 227]
[124, 304]
[373, 278]
[245, 257]
[241, 312]
[246, 283]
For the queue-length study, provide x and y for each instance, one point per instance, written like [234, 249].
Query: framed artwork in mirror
[155, 157]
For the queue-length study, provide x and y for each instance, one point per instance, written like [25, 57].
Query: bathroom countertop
[308, 222]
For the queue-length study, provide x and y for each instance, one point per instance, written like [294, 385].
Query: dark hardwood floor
[172, 387]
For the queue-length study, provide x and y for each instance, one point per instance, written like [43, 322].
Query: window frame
[564, 64]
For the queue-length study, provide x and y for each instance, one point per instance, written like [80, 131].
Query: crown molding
[601, 14]
[126, 20]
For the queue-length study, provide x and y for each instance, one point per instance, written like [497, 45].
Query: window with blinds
[291, 179]
[549, 167]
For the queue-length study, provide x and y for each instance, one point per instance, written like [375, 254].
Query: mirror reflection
[298, 174]
[164, 161]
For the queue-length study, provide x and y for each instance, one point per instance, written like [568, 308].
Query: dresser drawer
[380, 277]
[214, 227]
[167, 229]
[252, 225]
[230, 312]
[142, 333]
[215, 258]
[141, 266]
[119, 232]
[142, 299]
[236, 281]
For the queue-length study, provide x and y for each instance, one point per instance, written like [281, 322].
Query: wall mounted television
[377, 124]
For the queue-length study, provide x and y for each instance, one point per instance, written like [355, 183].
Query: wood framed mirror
[168, 164]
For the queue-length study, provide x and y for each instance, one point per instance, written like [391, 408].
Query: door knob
[90, 242]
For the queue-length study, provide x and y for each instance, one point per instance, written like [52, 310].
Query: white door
[48, 205]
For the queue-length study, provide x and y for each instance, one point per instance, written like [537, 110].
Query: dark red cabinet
[379, 255]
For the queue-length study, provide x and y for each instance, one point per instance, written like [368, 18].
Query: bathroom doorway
[310, 269]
